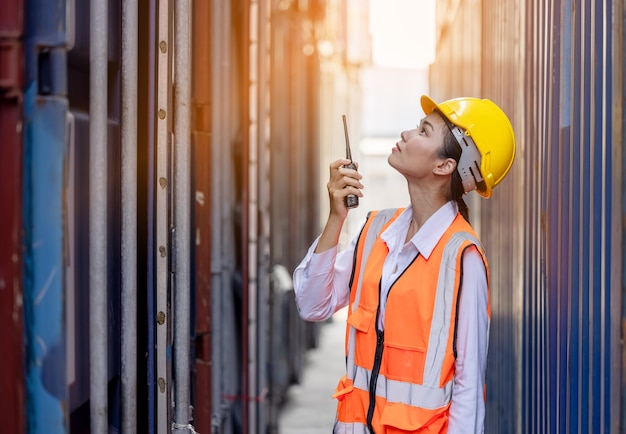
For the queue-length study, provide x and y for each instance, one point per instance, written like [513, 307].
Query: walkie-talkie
[352, 200]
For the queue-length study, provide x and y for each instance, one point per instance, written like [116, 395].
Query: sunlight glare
[403, 33]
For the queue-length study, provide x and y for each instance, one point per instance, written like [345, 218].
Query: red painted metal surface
[12, 400]
[11, 19]
[11, 338]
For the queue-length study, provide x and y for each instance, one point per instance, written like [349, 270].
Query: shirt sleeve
[321, 282]
[467, 411]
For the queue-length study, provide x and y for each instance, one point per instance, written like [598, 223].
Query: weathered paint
[45, 112]
[553, 228]
[43, 286]
[12, 399]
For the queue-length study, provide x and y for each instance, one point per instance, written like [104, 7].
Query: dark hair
[451, 149]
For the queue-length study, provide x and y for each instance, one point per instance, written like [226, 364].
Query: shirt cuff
[316, 264]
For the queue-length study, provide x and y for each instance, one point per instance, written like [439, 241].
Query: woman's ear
[445, 167]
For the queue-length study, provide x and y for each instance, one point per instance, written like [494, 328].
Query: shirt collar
[428, 235]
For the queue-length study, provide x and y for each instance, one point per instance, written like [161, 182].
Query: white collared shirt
[321, 284]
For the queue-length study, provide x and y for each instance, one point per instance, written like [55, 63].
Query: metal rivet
[161, 382]
[160, 318]
[161, 114]
[163, 182]
[162, 251]
[163, 46]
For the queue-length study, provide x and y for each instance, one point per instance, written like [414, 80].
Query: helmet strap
[469, 162]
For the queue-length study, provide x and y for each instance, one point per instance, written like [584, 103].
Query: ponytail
[457, 194]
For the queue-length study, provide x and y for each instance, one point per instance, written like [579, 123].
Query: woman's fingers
[343, 181]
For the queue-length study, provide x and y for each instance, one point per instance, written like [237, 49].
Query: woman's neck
[424, 202]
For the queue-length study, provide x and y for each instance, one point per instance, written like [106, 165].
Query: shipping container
[553, 229]
[12, 382]
[152, 264]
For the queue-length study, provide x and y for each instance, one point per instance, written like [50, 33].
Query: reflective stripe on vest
[404, 392]
[350, 428]
[377, 221]
[440, 329]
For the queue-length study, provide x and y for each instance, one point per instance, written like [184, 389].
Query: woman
[416, 280]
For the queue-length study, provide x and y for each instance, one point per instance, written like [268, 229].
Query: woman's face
[416, 155]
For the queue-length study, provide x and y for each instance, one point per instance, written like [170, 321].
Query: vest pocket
[397, 418]
[362, 319]
[343, 393]
[404, 363]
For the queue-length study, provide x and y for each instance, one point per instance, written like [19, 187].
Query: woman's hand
[343, 181]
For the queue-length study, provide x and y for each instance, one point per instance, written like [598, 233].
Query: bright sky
[403, 32]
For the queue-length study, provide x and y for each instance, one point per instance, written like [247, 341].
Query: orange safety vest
[400, 380]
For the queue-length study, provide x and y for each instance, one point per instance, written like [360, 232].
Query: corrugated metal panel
[552, 236]
[457, 70]
[77, 230]
[263, 403]
[294, 223]
[202, 213]
[618, 265]
[499, 35]
[11, 261]
[148, 57]
[295, 155]
[226, 193]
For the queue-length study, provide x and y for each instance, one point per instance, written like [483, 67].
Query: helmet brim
[428, 105]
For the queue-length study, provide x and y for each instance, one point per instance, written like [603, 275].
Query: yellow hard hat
[486, 126]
